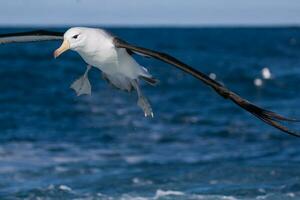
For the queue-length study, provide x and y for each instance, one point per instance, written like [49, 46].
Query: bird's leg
[142, 100]
[82, 84]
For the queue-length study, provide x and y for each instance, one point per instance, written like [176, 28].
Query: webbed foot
[82, 84]
[145, 105]
[142, 100]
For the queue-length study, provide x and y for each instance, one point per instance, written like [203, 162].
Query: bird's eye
[75, 36]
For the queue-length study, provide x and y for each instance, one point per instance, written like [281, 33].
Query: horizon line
[292, 25]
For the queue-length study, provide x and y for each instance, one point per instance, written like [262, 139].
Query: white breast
[99, 51]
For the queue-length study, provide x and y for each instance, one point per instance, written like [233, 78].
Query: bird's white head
[74, 39]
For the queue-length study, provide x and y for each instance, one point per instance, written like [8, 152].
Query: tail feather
[150, 80]
[267, 116]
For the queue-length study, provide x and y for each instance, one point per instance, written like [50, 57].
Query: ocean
[55, 145]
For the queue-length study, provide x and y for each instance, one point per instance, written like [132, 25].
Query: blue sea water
[55, 145]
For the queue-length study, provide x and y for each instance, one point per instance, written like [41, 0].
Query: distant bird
[266, 73]
[258, 82]
[113, 56]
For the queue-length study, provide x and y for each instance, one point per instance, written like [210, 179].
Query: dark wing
[266, 116]
[31, 36]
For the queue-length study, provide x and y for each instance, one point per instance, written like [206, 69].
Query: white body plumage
[96, 47]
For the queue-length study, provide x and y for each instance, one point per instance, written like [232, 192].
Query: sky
[150, 12]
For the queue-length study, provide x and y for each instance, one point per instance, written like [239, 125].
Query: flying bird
[113, 56]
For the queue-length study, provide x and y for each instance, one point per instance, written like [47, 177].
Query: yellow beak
[64, 47]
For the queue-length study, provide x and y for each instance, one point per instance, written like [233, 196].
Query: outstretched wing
[32, 36]
[266, 116]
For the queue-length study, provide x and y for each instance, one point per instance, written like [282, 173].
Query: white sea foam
[162, 193]
[133, 159]
[139, 181]
[65, 159]
[128, 197]
[65, 188]
[261, 190]
[214, 197]
[290, 194]
[60, 169]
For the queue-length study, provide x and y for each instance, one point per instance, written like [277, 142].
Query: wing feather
[31, 36]
[266, 116]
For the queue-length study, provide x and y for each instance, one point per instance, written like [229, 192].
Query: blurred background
[55, 145]
[150, 13]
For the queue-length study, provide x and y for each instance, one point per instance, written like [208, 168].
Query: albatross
[113, 56]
